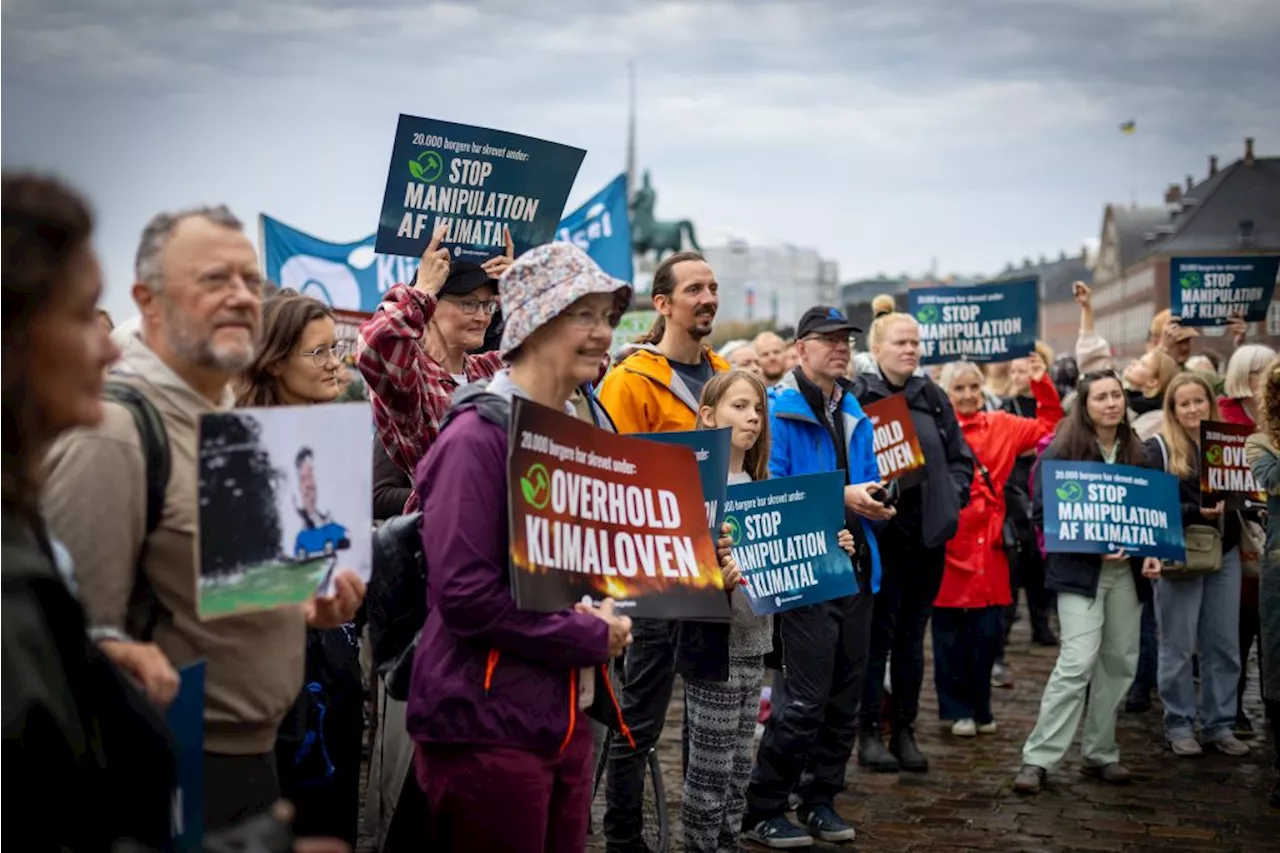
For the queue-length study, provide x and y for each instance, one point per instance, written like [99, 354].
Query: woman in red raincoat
[975, 584]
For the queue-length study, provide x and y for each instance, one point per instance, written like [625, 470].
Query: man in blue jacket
[817, 427]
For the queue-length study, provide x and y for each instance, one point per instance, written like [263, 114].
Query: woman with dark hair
[78, 735]
[298, 364]
[1099, 604]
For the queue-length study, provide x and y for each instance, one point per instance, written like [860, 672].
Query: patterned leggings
[721, 727]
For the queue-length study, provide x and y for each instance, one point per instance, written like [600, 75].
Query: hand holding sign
[619, 626]
[334, 611]
[147, 665]
[1037, 366]
[845, 540]
[496, 266]
[1151, 568]
[1237, 328]
[860, 499]
[434, 268]
[1213, 513]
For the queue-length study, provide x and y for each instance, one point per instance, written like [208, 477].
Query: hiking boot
[1186, 747]
[779, 834]
[1030, 779]
[910, 758]
[988, 728]
[873, 756]
[964, 728]
[1229, 745]
[1001, 676]
[1044, 637]
[823, 822]
[1115, 773]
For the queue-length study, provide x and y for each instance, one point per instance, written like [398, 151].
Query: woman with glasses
[1099, 604]
[298, 364]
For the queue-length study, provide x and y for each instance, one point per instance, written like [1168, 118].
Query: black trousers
[814, 722]
[1026, 571]
[964, 648]
[238, 787]
[910, 577]
[648, 678]
[1250, 633]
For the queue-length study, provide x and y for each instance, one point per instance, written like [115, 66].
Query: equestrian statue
[648, 234]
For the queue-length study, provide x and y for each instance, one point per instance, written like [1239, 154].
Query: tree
[239, 523]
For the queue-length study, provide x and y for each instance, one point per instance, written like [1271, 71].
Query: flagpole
[631, 128]
[1133, 168]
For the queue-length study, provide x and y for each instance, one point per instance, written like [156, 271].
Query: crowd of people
[491, 747]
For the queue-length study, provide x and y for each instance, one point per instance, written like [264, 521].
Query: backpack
[145, 609]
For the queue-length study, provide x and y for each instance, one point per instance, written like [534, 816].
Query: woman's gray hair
[1243, 361]
[147, 266]
[953, 370]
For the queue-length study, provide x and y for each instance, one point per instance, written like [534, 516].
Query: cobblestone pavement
[965, 802]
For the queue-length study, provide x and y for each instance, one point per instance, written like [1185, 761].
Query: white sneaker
[988, 728]
[1230, 745]
[964, 728]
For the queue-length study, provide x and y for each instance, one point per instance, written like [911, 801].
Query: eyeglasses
[834, 339]
[321, 355]
[585, 318]
[471, 306]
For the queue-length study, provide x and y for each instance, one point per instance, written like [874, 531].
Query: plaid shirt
[410, 391]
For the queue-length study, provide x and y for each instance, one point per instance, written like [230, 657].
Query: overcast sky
[880, 133]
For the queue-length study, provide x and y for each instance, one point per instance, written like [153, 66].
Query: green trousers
[1098, 658]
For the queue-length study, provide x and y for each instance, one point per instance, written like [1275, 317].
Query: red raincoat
[977, 570]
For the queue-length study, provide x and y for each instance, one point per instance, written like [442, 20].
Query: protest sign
[474, 181]
[897, 447]
[711, 449]
[601, 227]
[633, 325]
[284, 504]
[185, 719]
[1093, 508]
[1207, 291]
[1225, 474]
[784, 539]
[983, 322]
[603, 515]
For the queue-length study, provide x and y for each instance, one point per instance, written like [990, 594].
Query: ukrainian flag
[1129, 127]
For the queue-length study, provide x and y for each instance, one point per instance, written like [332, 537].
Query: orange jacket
[977, 570]
[642, 393]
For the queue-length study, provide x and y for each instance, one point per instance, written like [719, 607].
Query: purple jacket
[486, 672]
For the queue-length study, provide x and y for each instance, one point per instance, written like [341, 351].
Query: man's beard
[187, 344]
[774, 377]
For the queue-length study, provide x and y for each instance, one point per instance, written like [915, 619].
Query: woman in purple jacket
[498, 694]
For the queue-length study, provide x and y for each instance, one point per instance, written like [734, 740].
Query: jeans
[965, 641]
[909, 581]
[648, 678]
[815, 707]
[1098, 656]
[1200, 614]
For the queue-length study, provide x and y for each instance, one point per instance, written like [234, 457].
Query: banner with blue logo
[784, 539]
[711, 448]
[1208, 291]
[982, 322]
[475, 181]
[185, 718]
[602, 229]
[1093, 508]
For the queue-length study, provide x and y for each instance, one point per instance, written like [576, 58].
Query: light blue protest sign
[350, 276]
[1208, 291]
[602, 229]
[185, 718]
[474, 181]
[982, 322]
[1093, 508]
[784, 539]
[711, 449]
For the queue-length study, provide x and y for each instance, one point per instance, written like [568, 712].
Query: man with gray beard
[198, 289]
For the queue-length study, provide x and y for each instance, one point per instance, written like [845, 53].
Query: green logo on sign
[735, 529]
[536, 486]
[1189, 279]
[928, 314]
[1214, 454]
[426, 167]
[1070, 492]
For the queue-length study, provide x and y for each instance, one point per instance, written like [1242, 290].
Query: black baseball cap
[823, 320]
[466, 278]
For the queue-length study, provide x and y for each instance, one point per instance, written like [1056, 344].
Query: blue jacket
[803, 445]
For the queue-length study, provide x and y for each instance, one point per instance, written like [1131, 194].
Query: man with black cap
[415, 350]
[818, 426]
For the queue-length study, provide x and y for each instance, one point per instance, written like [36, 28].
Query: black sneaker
[823, 822]
[1138, 702]
[873, 755]
[1243, 727]
[779, 834]
[910, 758]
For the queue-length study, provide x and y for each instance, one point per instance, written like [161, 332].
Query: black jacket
[1076, 573]
[948, 460]
[391, 486]
[1189, 497]
[88, 758]
[1017, 491]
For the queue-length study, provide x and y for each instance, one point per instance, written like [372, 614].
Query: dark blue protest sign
[711, 448]
[1092, 508]
[474, 181]
[1208, 291]
[983, 322]
[185, 718]
[784, 539]
[601, 227]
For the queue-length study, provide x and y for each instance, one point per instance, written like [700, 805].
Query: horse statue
[648, 234]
